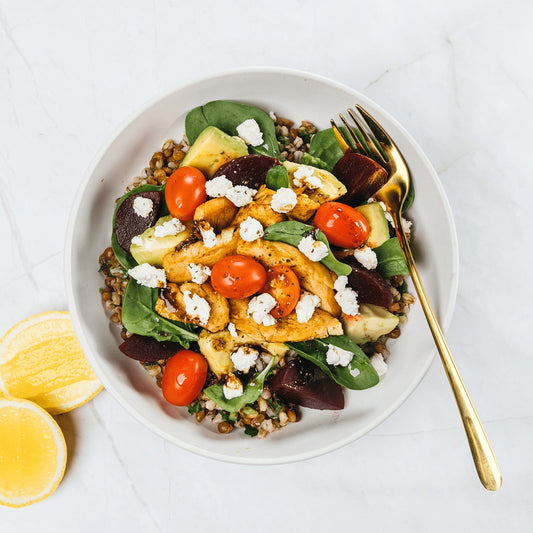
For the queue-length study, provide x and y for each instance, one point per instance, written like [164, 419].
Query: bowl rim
[78, 198]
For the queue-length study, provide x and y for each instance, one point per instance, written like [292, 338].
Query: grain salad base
[268, 413]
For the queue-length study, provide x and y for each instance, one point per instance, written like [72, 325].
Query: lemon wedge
[33, 454]
[41, 360]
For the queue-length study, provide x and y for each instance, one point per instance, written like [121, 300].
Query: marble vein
[124, 468]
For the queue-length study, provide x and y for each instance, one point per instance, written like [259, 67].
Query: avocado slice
[212, 149]
[379, 227]
[371, 322]
[153, 248]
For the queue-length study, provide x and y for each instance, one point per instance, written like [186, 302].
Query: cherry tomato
[184, 192]
[237, 276]
[184, 377]
[282, 283]
[343, 225]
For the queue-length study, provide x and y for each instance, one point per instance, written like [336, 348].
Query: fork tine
[380, 134]
[341, 140]
[361, 147]
[370, 144]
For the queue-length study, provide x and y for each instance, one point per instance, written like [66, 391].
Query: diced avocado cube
[371, 322]
[379, 227]
[212, 149]
[153, 249]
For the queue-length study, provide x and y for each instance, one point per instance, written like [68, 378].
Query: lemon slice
[33, 454]
[41, 360]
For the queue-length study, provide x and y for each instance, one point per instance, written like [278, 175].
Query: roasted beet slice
[371, 287]
[361, 175]
[249, 170]
[303, 383]
[128, 223]
[147, 349]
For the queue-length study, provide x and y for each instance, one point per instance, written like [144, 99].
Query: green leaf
[138, 316]
[123, 257]
[316, 352]
[325, 147]
[227, 115]
[250, 430]
[308, 159]
[251, 393]
[194, 407]
[409, 198]
[277, 177]
[390, 259]
[292, 231]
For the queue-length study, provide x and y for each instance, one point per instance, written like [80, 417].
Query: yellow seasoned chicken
[172, 305]
[175, 263]
[286, 329]
[260, 209]
[313, 276]
[219, 212]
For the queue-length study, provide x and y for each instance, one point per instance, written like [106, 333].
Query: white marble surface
[458, 76]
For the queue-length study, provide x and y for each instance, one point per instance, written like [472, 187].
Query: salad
[251, 271]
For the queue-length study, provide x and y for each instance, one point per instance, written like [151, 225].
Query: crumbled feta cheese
[407, 225]
[233, 387]
[170, 227]
[218, 187]
[259, 309]
[197, 307]
[232, 330]
[209, 237]
[338, 357]
[354, 372]
[283, 200]
[137, 240]
[142, 206]
[379, 364]
[272, 115]
[199, 273]
[367, 257]
[306, 307]
[250, 132]
[244, 358]
[313, 249]
[148, 275]
[340, 283]
[347, 299]
[251, 229]
[240, 195]
[304, 176]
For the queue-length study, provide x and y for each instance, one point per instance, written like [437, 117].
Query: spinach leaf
[390, 259]
[123, 257]
[277, 177]
[227, 115]
[409, 198]
[308, 159]
[138, 316]
[292, 231]
[358, 375]
[251, 393]
[324, 146]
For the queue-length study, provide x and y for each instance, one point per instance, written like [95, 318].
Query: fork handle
[484, 459]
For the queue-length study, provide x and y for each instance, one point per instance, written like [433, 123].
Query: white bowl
[296, 95]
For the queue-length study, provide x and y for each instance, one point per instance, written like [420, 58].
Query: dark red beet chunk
[371, 287]
[249, 170]
[147, 349]
[303, 383]
[361, 175]
[128, 223]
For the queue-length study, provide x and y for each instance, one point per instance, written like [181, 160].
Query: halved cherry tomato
[237, 276]
[184, 192]
[184, 377]
[282, 283]
[343, 225]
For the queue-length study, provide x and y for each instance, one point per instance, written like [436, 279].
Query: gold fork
[393, 195]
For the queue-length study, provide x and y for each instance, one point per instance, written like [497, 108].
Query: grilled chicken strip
[286, 329]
